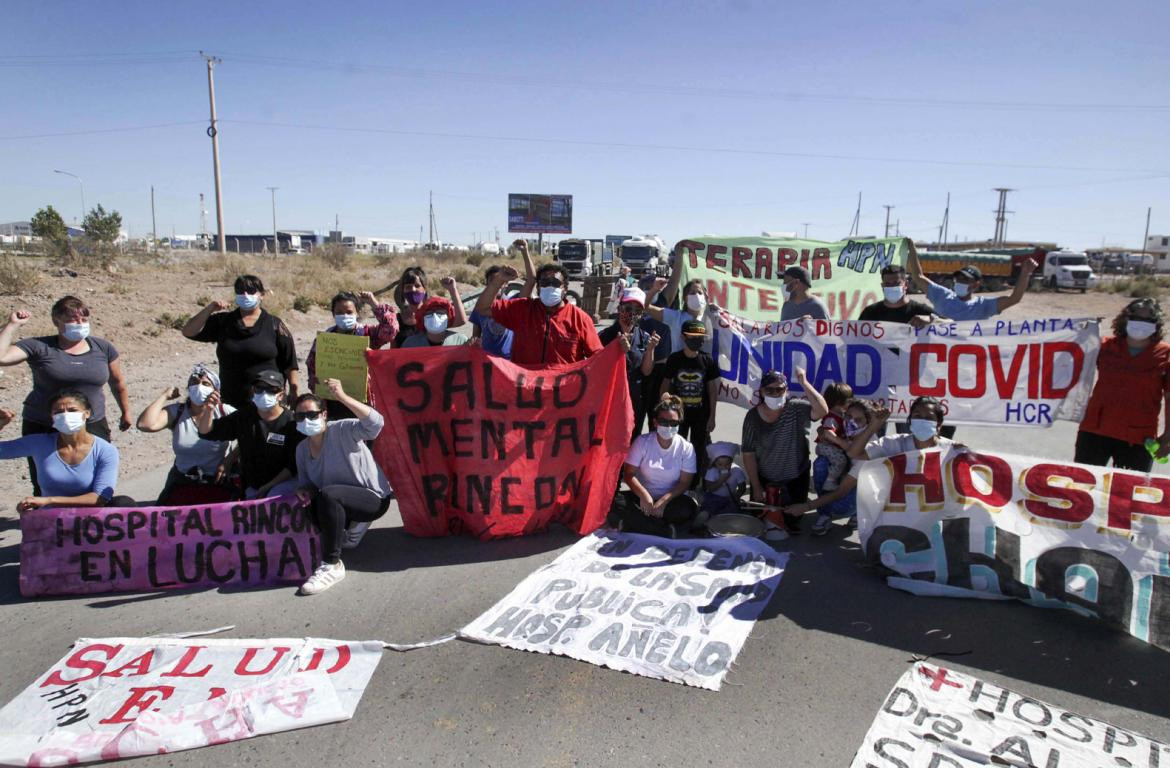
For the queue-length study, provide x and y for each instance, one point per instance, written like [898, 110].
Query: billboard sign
[548, 214]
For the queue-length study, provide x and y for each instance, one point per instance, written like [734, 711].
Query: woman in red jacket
[1133, 386]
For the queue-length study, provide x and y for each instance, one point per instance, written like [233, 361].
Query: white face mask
[667, 433]
[853, 427]
[696, 302]
[550, 295]
[922, 429]
[345, 322]
[76, 331]
[775, 403]
[247, 300]
[198, 393]
[786, 291]
[310, 427]
[1140, 330]
[264, 401]
[436, 322]
[962, 290]
[68, 422]
[894, 293]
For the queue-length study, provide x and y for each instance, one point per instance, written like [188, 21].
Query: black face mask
[695, 344]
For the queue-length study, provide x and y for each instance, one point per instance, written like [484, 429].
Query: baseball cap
[971, 273]
[800, 273]
[269, 377]
[772, 378]
[694, 328]
[636, 295]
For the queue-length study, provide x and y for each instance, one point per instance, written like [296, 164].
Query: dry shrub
[228, 267]
[17, 277]
[333, 254]
[475, 258]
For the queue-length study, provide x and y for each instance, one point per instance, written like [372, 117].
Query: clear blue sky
[668, 118]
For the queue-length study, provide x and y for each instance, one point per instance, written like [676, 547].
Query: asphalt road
[804, 690]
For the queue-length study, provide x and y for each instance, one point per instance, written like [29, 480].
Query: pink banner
[88, 550]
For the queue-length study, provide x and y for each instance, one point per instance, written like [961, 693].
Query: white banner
[1090, 539]
[937, 718]
[116, 698]
[1010, 372]
[673, 610]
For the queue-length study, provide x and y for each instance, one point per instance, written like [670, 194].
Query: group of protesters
[246, 428]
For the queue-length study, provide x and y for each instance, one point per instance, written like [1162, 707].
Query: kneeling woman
[658, 471]
[339, 478]
[74, 468]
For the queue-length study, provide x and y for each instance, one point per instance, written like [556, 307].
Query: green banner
[342, 356]
[744, 274]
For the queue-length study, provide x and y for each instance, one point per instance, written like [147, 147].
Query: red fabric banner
[475, 444]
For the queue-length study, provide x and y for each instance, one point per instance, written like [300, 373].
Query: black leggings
[1095, 449]
[99, 428]
[693, 427]
[337, 506]
[628, 508]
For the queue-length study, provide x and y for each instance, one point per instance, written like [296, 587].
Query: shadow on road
[386, 550]
[829, 588]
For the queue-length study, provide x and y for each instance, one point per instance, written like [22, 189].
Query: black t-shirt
[886, 314]
[243, 351]
[688, 378]
[405, 331]
[266, 447]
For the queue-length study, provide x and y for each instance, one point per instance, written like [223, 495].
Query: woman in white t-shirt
[925, 422]
[199, 474]
[658, 471]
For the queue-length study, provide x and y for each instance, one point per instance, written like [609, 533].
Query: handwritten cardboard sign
[343, 357]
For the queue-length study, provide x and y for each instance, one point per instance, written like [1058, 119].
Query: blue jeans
[846, 506]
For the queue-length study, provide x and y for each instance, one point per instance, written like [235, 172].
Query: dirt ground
[135, 307]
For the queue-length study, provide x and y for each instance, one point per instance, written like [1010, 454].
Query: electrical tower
[1001, 213]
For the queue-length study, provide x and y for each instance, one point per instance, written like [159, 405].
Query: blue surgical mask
[345, 322]
[435, 322]
[264, 401]
[76, 331]
[667, 433]
[550, 295]
[922, 429]
[310, 427]
[247, 300]
[962, 289]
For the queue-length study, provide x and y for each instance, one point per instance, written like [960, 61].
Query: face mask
[435, 322]
[696, 302]
[550, 295]
[310, 427]
[962, 289]
[695, 343]
[247, 300]
[345, 322]
[198, 393]
[787, 292]
[894, 293]
[415, 297]
[922, 429]
[667, 433]
[852, 428]
[76, 331]
[68, 422]
[264, 401]
[1139, 330]
[775, 403]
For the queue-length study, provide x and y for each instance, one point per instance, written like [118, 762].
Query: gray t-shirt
[781, 448]
[54, 370]
[793, 310]
[344, 457]
[192, 451]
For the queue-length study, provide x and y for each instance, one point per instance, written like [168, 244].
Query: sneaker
[775, 533]
[354, 534]
[852, 524]
[326, 575]
[822, 525]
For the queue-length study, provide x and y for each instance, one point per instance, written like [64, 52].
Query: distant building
[17, 229]
[291, 241]
[1158, 246]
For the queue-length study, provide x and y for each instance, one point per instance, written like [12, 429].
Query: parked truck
[1068, 269]
[583, 258]
[645, 254]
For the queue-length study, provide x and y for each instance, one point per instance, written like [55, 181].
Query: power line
[94, 131]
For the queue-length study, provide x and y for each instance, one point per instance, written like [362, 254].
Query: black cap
[971, 273]
[800, 273]
[893, 269]
[773, 377]
[270, 378]
[694, 327]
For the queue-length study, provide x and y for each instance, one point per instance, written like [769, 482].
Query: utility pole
[1146, 237]
[946, 222]
[213, 133]
[888, 209]
[153, 222]
[275, 238]
[805, 225]
[856, 228]
[434, 229]
[1001, 213]
[202, 219]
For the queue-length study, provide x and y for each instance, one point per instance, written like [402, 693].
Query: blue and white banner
[1010, 372]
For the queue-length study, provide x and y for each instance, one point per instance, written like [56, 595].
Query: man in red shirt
[546, 330]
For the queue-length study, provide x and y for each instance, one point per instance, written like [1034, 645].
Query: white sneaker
[353, 535]
[323, 578]
[775, 533]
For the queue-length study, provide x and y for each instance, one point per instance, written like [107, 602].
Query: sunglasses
[303, 415]
[551, 283]
[266, 390]
[668, 422]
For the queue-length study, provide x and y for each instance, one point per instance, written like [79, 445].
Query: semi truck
[645, 254]
[583, 258]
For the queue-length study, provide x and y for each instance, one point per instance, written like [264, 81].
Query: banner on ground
[673, 610]
[937, 718]
[88, 550]
[744, 275]
[966, 524]
[476, 444]
[116, 698]
[342, 356]
[1009, 372]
